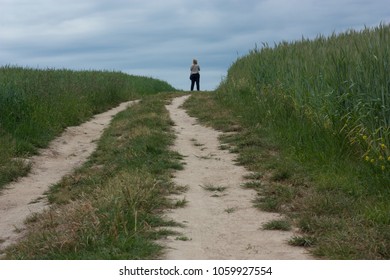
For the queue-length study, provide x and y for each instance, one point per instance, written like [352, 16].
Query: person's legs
[197, 82]
[192, 84]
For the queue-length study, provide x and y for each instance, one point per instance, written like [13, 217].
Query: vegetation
[111, 207]
[277, 225]
[36, 105]
[310, 121]
[313, 119]
[337, 85]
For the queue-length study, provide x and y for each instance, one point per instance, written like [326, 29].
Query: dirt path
[218, 224]
[67, 152]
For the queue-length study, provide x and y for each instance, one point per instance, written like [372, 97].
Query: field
[36, 106]
[310, 120]
[314, 124]
[338, 85]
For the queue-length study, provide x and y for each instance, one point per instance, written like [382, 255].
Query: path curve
[219, 225]
[67, 152]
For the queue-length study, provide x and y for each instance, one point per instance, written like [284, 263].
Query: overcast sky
[160, 38]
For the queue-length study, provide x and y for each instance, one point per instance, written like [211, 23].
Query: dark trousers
[195, 78]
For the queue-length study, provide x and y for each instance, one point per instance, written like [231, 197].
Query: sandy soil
[218, 225]
[64, 154]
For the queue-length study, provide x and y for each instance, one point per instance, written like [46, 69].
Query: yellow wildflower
[380, 158]
[383, 167]
[372, 160]
[364, 137]
[367, 158]
[383, 146]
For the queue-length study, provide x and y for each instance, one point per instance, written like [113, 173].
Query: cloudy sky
[160, 38]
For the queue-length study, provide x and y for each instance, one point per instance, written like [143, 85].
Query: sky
[160, 38]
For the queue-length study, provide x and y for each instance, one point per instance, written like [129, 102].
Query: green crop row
[329, 96]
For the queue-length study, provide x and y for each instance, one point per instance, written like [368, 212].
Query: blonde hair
[194, 61]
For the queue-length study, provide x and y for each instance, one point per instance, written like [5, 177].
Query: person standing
[195, 76]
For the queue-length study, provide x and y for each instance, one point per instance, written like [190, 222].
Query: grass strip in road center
[110, 208]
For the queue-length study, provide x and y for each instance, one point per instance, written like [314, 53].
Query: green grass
[282, 225]
[212, 188]
[36, 106]
[328, 96]
[111, 208]
[339, 203]
[183, 238]
[314, 122]
[302, 241]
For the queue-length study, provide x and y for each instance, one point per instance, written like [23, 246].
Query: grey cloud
[159, 38]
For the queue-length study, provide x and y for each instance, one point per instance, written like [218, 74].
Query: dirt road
[67, 152]
[220, 220]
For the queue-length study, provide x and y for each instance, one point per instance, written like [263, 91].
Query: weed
[302, 241]
[273, 198]
[256, 185]
[230, 210]
[283, 225]
[253, 176]
[209, 156]
[224, 147]
[196, 143]
[281, 175]
[176, 189]
[212, 188]
[180, 203]
[183, 238]
[32, 218]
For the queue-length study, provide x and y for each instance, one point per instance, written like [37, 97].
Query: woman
[195, 76]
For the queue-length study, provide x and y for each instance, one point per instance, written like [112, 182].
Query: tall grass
[330, 95]
[324, 105]
[36, 105]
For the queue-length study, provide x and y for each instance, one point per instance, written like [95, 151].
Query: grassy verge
[339, 204]
[111, 207]
[36, 105]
